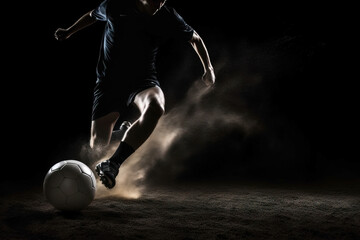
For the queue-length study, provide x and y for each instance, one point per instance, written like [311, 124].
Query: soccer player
[127, 79]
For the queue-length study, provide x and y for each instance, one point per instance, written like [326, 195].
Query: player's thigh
[150, 98]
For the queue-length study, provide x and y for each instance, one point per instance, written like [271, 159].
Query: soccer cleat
[107, 171]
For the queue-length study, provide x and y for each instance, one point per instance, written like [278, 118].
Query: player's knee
[97, 143]
[94, 143]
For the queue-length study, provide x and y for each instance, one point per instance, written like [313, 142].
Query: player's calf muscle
[154, 109]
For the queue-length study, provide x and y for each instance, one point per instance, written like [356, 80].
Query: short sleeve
[100, 12]
[181, 30]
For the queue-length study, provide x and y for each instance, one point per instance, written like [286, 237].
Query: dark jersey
[131, 40]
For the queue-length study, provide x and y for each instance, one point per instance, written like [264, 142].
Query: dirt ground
[223, 211]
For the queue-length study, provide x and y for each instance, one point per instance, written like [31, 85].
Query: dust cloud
[238, 128]
[199, 120]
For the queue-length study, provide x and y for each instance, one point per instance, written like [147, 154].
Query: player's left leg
[101, 131]
[151, 104]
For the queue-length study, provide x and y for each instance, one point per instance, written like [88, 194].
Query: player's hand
[209, 77]
[61, 34]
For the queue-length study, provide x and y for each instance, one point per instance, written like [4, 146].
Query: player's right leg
[150, 103]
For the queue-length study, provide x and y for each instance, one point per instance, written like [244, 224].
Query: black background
[302, 50]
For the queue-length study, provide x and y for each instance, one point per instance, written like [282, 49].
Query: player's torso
[127, 27]
[132, 38]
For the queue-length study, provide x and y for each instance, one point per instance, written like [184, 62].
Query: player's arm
[84, 21]
[199, 46]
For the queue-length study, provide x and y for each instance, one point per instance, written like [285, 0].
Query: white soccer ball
[69, 185]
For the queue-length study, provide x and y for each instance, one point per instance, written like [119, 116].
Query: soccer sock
[122, 153]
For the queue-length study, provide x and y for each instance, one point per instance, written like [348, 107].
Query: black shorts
[115, 99]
